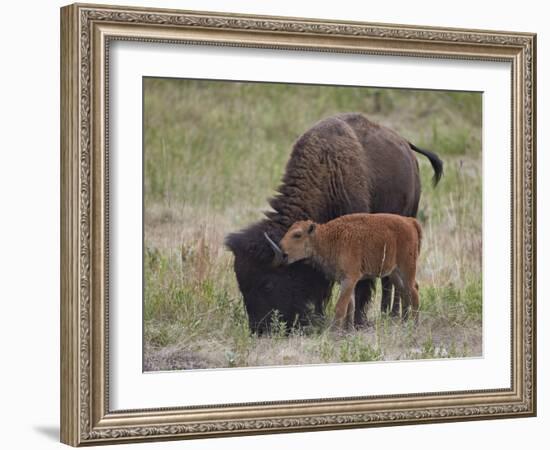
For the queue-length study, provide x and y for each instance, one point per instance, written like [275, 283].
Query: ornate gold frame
[86, 31]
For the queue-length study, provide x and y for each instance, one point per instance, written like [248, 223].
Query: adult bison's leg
[386, 294]
[396, 306]
[401, 281]
[363, 295]
[322, 298]
[386, 298]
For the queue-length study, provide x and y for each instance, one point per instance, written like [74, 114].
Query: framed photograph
[276, 225]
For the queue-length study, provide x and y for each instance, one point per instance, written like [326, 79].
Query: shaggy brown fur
[356, 247]
[343, 164]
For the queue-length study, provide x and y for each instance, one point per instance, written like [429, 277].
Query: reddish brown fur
[360, 246]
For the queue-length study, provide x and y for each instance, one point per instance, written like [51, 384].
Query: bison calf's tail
[436, 163]
[418, 232]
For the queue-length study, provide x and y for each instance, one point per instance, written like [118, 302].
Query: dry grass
[215, 151]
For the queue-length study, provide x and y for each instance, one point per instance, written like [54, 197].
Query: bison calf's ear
[311, 228]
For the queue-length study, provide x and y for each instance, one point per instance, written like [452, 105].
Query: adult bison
[344, 164]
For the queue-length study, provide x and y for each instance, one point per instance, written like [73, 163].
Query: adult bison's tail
[436, 163]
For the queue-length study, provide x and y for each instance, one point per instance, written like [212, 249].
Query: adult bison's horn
[279, 257]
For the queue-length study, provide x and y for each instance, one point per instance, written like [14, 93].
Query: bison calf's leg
[409, 292]
[346, 297]
[413, 303]
[350, 314]
[415, 299]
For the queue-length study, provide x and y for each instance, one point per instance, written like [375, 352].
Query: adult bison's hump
[344, 164]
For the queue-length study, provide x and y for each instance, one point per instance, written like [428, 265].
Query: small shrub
[355, 349]
[277, 327]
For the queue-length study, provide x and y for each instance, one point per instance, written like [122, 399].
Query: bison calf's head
[296, 243]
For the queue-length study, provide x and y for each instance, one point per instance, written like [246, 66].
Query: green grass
[215, 151]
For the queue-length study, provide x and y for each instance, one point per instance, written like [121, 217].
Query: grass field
[215, 151]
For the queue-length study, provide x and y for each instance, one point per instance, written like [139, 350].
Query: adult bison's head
[296, 293]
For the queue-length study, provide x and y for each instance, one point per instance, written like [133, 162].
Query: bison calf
[355, 247]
